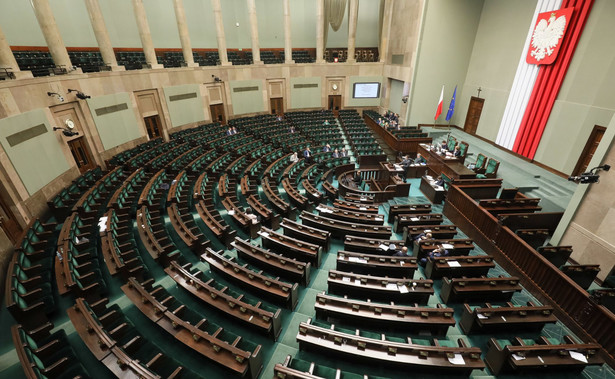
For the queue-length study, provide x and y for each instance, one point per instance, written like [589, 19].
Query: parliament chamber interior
[307, 189]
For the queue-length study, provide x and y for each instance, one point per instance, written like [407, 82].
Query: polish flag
[439, 110]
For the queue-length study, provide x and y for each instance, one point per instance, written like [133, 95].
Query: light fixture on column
[80, 95]
[57, 96]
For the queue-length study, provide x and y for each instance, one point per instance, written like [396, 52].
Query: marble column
[184, 35]
[50, 30]
[256, 50]
[320, 31]
[145, 34]
[288, 50]
[215, 4]
[386, 29]
[7, 59]
[101, 34]
[352, 29]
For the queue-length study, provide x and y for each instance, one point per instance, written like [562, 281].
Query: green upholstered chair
[491, 169]
[463, 148]
[446, 182]
[479, 166]
[451, 143]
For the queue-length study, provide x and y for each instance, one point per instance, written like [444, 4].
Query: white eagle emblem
[546, 36]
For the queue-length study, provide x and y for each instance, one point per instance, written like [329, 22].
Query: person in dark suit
[457, 152]
[336, 154]
[439, 252]
[406, 162]
[229, 131]
[403, 252]
[357, 178]
[419, 159]
[443, 146]
[343, 153]
[291, 129]
[307, 154]
[326, 148]
[423, 236]
[234, 130]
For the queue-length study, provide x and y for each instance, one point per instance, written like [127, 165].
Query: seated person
[455, 153]
[336, 154]
[307, 154]
[419, 159]
[294, 158]
[229, 131]
[357, 178]
[326, 148]
[439, 182]
[439, 252]
[423, 237]
[279, 118]
[326, 123]
[380, 122]
[406, 162]
[291, 129]
[234, 130]
[343, 153]
[401, 253]
[251, 216]
[443, 146]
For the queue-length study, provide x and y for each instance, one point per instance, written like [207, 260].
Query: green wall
[121, 23]
[302, 23]
[271, 34]
[350, 102]
[14, 16]
[247, 101]
[497, 49]
[309, 97]
[201, 24]
[118, 127]
[586, 96]
[184, 110]
[48, 162]
[162, 23]
[449, 31]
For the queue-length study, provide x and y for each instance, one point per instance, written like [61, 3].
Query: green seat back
[480, 160]
[491, 166]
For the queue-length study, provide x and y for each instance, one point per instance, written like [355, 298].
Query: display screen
[366, 90]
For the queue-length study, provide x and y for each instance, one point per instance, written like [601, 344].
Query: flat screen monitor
[366, 90]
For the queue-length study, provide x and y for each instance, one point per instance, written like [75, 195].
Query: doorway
[8, 223]
[152, 125]
[217, 113]
[335, 104]
[588, 151]
[474, 110]
[81, 154]
[277, 105]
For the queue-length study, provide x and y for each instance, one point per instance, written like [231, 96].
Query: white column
[184, 35]
[320, 31]
[145, 34]
[7, 59]
[50, 30]
[101, 34]
[352, 29]
[256, 50]
[220, 33]
[386, 28]
[288, 50]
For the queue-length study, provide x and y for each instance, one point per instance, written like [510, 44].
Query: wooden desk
[435, 195]
[441, 164]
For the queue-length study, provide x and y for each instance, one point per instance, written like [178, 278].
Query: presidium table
[437, 165]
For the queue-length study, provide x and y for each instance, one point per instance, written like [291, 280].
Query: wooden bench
[281, 206]
[557, 255]
[465, 289]
[350, 216]
[456, 267]
[518, 356]
[403, 317]
[502, 206]
[399, 209]
[295, 196]
[268, 217]
[306, 233]
[341, 228]
[361, 263]
[403, 220]
[422, 248]
[490, 319]
[354, 207]
[583, 275]
[543, 220]
[330, 190]
[291, 247]
[240, 217]
[534, 237]
[437, 231]
[215, 223]
[271, 288]
[405, 290]
[291, 269]
[371, 245]
[403, 355]
[311, 192]
[155, 238]
[183, 224]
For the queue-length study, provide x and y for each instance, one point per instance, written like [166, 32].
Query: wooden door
[335, 104]
[81, 154]
[152, 125]
[8, 223]
[217, 113]
[277, 105]
[590, 148]
[474, 110]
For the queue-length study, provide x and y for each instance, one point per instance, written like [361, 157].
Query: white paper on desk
[263, 234]
[362, 208]
[578, 356]
[453, 264]
[428, 176]
[378, 219]
[457, 360]
[481, 316]
[403, 288]
[391, 286]
[383, 246]
[357, 282]
[345, 279]
[448, 246]
[398, 167]
[427, 230]
[518, 357]
[102, 223]
[414, 218]
[231, 212]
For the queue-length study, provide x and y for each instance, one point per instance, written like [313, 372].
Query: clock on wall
[69, 123]
[334, 86]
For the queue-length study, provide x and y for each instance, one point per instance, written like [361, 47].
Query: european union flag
[451, 107]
